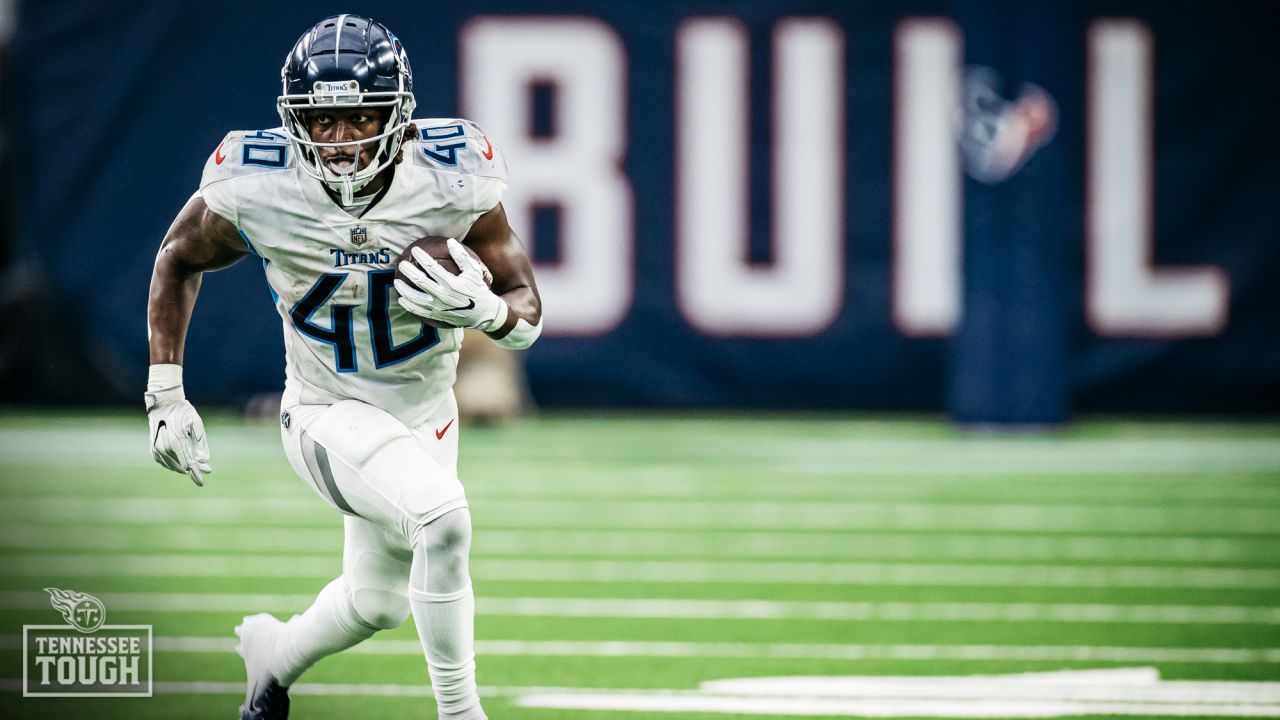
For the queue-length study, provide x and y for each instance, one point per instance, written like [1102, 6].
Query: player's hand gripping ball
[438, 248]
[460, 299]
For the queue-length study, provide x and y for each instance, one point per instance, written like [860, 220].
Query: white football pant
[407, 536]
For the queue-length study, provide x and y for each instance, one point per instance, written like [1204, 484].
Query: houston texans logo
[82, 611]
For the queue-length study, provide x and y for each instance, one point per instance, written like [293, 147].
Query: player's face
[344, 125]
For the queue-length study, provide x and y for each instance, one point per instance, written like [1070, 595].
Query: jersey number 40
[341, 333]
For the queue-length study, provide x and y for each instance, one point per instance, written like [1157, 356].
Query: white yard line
[173, 602]
[842, 455]
[779, 651]
[878, 611]
[885, 707]
[1135, 692]
[1004, 453]
[871, 545]
[879, 574]
[670, 571]
[1138, 691]
[620, 487]
[192, 537]
[678, 514]
[715, 609]
[329, 689]
[780, 545]
[587, 480]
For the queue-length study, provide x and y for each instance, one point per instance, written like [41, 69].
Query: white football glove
[463, 300]
[178, 440]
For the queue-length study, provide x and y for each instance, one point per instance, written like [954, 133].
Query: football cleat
[264, 699]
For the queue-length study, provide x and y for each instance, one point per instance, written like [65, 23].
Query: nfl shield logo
[358, 236]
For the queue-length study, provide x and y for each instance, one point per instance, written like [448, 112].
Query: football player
[328, 201]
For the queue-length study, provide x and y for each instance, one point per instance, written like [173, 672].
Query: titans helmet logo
[82, 611]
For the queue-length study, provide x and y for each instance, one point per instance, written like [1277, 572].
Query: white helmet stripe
[337, 38]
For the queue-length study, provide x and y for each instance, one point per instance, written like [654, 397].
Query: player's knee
[381, 609]
[379, 590]
[449, 534]
[440, 553]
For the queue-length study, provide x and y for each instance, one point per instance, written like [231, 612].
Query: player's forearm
[523, 303]
[173, 296]
[524, 315]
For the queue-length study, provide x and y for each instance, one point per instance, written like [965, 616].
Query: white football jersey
[330, 273]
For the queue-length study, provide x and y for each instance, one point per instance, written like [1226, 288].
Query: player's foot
[265, 699]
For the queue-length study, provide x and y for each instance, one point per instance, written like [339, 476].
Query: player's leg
[440, 583]
[444, 612]
[370, 595]
[366, 462]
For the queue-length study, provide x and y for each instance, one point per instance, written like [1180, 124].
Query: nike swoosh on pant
[440, 433]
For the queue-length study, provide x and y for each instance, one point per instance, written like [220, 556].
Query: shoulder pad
[248, 152]
[457, 145]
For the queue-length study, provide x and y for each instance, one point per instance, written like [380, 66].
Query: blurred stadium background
[884, 339]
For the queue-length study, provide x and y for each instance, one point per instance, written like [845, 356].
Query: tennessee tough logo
[85, 657]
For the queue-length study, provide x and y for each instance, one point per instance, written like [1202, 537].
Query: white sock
[444, 612]
[330, 625]
[446, 627]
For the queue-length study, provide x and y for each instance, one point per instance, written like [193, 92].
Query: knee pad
[440, 550]
[380, 609]
[379, 590]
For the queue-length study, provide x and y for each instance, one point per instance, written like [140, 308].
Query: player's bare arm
[503, 253]
[199, 240]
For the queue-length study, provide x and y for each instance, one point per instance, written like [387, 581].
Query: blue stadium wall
[114, 107]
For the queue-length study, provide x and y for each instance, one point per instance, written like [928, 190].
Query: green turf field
[653, 555]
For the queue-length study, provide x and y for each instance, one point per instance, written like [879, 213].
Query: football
[438, 248]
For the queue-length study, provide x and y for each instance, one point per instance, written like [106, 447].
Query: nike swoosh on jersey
[488, 149]
[218, 157]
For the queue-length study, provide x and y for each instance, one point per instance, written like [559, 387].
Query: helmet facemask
[330, 95]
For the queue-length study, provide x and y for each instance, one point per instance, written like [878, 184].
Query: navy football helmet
[346, 61]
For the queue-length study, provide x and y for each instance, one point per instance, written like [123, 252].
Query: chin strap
[347, 189]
